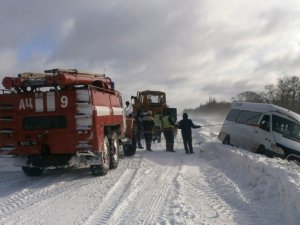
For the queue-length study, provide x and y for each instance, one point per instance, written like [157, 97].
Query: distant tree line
[211, 107]
[286, 93]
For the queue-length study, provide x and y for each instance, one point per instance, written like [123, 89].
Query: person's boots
[139, 145]
[148, 146]
[172, 147]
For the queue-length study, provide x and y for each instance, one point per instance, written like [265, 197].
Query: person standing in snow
[128, 109]
[148, 125]
[138, 119]
[157, 127]
[186, 126]
[168, 126]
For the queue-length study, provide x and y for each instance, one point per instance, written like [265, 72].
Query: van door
[244, 133]
[262, 135]
[247, 123]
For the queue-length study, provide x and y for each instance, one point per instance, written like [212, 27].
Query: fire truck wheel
[114, 151]
[129, 150]
[32, 171]
[101, 170]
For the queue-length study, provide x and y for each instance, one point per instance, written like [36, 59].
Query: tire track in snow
[29, 197]
[146, 205]
[68, 199]
[194, 203]
[112, 199]
[39, 197]
[10, 175]
[36, 194]
[106, 208]
[234, 199]
[156, 202]
[208, 197]
[215, 208]
[11, 181]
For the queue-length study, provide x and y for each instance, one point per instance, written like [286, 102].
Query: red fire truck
[63, 118]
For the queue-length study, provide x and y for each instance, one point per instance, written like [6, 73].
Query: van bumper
[289, 154]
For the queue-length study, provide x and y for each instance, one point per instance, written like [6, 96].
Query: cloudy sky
[192, 50]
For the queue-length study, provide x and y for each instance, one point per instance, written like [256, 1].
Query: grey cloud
[192, 49]
[282, 64]
[230, 89]
[127, 33]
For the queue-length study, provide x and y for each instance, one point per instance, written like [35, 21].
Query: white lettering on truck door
[25, 103]
[50, 101]
[39, 102]
[64, 101]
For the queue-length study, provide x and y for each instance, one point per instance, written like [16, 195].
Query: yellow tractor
[154, 101]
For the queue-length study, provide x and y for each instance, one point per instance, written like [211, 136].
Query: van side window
[232, 115]
[286, 127]
[265, 123]
[250, 118]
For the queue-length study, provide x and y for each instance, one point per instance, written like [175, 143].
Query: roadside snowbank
[273, 185]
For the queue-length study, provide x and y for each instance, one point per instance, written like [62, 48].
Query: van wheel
[260, 150]
[226, 141]
[32, 171]
[114, 151]
[102, 169]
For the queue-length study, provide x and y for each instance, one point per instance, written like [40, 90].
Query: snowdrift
[274, 184]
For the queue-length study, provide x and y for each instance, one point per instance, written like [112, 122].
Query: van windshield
[286, 127]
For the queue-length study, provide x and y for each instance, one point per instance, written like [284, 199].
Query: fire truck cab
[63, 118]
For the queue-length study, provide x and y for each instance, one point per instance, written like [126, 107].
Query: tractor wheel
[102, 169]
[130, 149]
[114, 151]
[32, 171]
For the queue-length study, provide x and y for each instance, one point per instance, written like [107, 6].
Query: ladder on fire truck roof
[73, 71]
[57, 77]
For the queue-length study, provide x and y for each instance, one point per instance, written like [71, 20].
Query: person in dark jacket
[157, 127]
[168, 126]
[138, 118]
[148, 125]
[128, 109]
[186, 126]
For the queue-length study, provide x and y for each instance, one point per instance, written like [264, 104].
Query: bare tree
[286, 93]
[284, 90]
[271, 94]
[295, 89]
[248, 96]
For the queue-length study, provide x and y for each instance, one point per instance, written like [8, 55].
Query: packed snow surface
[217, 184]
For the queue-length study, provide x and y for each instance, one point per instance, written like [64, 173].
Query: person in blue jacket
[186, 126]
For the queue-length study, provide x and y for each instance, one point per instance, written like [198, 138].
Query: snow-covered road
[216, 185]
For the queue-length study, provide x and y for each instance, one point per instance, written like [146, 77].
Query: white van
[263, 128]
